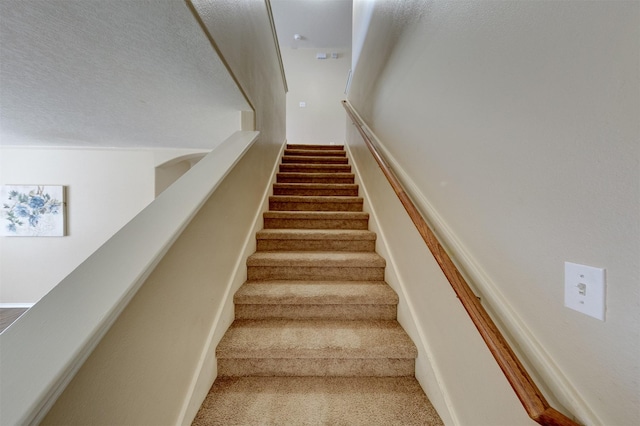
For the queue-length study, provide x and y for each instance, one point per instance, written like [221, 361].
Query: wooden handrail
[526, 390]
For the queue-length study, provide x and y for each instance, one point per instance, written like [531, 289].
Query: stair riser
[309, 178]
[350, 312]
[314, 168]
[314, 153]
[277, 223]
[314, 160]
[315, 274]
[376, 367]
[316, 245]
[275, 205]
[317, 192]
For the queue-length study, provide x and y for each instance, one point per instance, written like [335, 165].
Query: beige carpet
[315, 340]
[354, 401]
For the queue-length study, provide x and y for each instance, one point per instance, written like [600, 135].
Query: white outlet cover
[584, 289]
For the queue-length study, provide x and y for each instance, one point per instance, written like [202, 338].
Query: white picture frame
[32, 211]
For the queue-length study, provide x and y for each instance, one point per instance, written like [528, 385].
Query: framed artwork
[32, 210]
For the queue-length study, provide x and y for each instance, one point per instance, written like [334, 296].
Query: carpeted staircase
[315, 339]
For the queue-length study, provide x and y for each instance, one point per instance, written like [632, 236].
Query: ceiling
[136, 74]
[111, 74]
[320, 23]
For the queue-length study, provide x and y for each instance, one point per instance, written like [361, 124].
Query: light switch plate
[584, 289]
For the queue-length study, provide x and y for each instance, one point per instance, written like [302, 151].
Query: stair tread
[316, 189]
[331, 282]
[285, 339]
[329, 219]
[317, 177]
[316, 198]
[303, 185]
[303, 146]
[317, 259]
[317, 400]
[316, 152]
[345, 168]
[315, 215]
[315, 234]
[314, 293]
[321, 165]
[317, 174]
[315, 203]
[306, 159]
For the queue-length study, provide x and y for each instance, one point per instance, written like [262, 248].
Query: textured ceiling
[320, 23]
[111, 74]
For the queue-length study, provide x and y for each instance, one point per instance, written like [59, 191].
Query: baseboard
[206, 370]
[541, 363]
[15, 305]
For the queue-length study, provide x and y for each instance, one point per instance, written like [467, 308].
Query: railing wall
[128, 304]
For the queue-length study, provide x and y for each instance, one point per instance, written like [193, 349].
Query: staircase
[315, 339]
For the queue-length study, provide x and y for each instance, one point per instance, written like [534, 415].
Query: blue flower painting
[32, 210]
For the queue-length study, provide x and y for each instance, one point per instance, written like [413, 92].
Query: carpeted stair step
[281, 347]
[371, 401]
[316, 189]
[316, 240]
[316, 220]
[314, 168]
[314, 160]
[315, 147]
[341, 178]
[315, 338]
[327, 266]
[316, 300]
[316, 152]
[308, 203]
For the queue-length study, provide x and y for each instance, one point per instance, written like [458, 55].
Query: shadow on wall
[170, 171]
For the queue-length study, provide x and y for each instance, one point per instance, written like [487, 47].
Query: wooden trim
[526, 390]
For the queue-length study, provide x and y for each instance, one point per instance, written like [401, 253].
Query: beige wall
[157, 362]
[145, 365]
[243, 34]
[320, 83]
[454, 366]
[104, 189]
[99, 203]
[517, 123]
[170, 171]
[112, 73]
